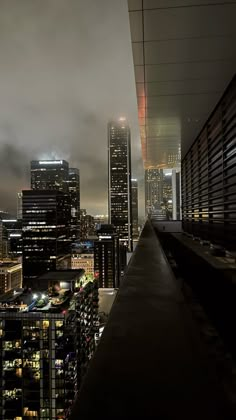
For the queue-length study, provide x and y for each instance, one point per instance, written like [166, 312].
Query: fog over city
[66, 69]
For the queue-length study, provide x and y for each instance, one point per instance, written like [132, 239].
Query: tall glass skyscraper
[119, 180]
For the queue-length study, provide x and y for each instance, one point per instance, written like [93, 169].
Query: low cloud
[66, 69]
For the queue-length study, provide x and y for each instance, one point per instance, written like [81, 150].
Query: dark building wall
[46, 217]
[209, 176]
[178, 194]
[13, 231]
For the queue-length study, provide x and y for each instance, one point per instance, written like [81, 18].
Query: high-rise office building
[47, 342]
[19, 206]
[134, 183]
[74, 192]
[84, 261]
[87, 225]
[13, 236]
[100, 219]
[82, 256]
[119, 180]
[4, 245]
[106, 257]
[49, 175]
[46, 243]
[153, 189]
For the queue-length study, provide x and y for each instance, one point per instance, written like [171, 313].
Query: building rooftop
[9, 264]
[152, 362]
[62, 275]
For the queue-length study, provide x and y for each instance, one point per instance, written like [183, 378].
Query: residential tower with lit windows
[47, 340]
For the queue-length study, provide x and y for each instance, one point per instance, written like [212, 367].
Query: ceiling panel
[136, 26]
[134, 4]
[150, 4]
[189, 22]
[187, 50]
[184, 57]
[213, 70]
[180, 87]
[138, 53]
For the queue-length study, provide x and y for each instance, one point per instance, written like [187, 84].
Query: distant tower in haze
[153, 189]
[19, 206]
[74, 192]
[119, 180]
[49, 175]
[134, 184]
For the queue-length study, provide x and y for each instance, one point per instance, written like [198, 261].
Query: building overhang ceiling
[184, 55]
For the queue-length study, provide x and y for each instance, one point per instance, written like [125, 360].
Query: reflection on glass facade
[119, 176]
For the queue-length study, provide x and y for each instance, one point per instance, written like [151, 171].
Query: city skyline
[56, 108]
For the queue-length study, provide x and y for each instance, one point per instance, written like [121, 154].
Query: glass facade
[119, 178]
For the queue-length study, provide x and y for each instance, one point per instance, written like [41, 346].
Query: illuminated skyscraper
[119, 180]
[49, 175]
[135, 207]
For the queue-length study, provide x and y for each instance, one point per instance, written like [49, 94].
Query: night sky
[66, 69]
